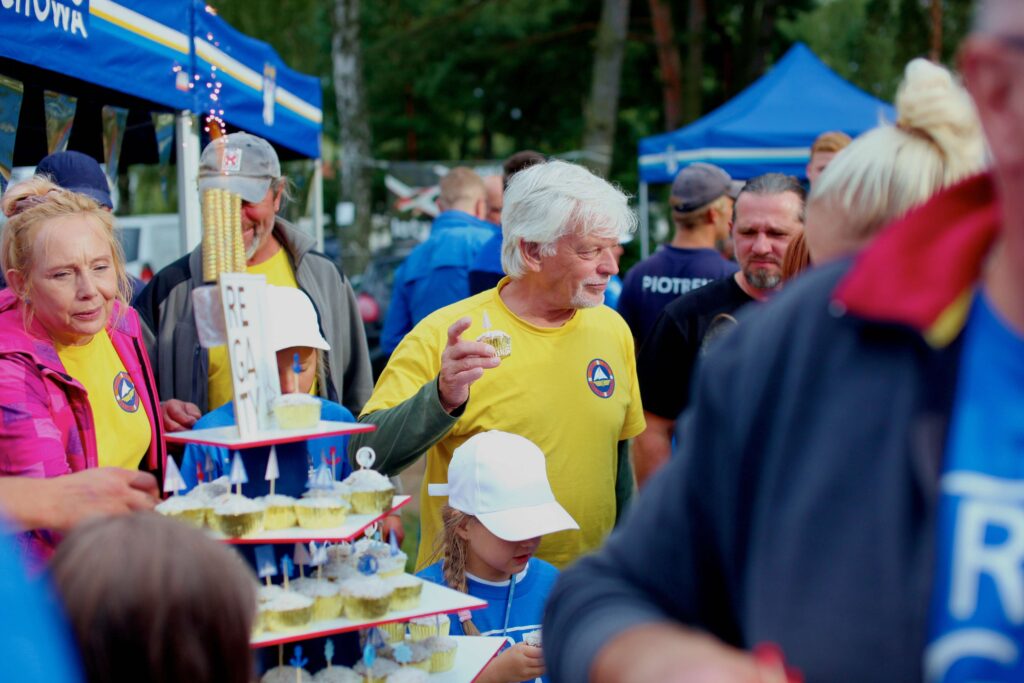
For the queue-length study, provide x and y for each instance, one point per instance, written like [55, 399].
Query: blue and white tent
[151, 50]
[770, 125]
[150, 56]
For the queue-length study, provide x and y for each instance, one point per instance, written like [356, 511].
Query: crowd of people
[790, 451]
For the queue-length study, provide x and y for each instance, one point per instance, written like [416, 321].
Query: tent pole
[186, 135]
[645, 227]
[318, 203]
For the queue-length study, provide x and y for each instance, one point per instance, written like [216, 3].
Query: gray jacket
[182, 366]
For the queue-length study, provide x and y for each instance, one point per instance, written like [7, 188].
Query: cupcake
[442, 653]
[393, 632]
[422, 628]
[266, 593]
[320, 513]
[419, 656]
[379, 672]
[296, 411]
[288, 610]
[235, 516]
[366, 598]
[371, 493]
[339, 553]
[408, 675]
[340, 572]
[497, 340]
[337, 674]
[532, 638]
[286, 674]
[209, 492]
[280, 511]
[190, 510]
[407, 590]
[327, 599]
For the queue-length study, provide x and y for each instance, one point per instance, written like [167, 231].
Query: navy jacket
[801, 507]
[435, 273]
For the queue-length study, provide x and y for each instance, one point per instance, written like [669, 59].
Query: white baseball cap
[292, 320]
[501, 479]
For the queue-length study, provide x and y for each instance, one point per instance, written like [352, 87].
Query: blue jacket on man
[435, 273]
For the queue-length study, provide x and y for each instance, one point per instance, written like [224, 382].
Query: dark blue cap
[79, 173]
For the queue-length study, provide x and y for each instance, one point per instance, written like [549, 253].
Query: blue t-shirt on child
[293, 459]
[977, 610]
[533, 585]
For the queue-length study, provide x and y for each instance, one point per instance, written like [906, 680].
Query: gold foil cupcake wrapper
[371, 502]
[196, 518]
[502, 344]
[327, 607]
[236, 526]
[320, 518]
[366, 608]
[442, 661]
[393, 632]
[279, 517]
[406, 597]
[418, 632]
[282, 620]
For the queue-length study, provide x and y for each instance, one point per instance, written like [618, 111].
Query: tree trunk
[601, 109]
[668, 62]
[936, 49]
[693, 104]
[350, 97]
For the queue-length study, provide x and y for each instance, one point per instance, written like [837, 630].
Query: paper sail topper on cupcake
[265, 564]
[238, 474]
[329, 652]
[301, 556]
[172, 478]
[365, 457]
[496, 339]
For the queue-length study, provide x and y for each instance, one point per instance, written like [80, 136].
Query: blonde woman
[76, 388]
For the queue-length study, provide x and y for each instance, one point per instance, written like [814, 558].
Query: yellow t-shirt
[278, 271]
[123, 434]
[572, 390]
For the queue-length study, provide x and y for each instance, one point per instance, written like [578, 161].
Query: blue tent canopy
[770, 125]
[151, 51]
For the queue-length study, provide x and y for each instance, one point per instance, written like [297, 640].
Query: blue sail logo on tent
[600, 378]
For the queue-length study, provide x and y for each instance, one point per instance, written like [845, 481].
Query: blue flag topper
[287, 566]
[369, 655]
[328, 651]
[265, 564]
[367, 564]
[393, 542]
[238, 474]
[298, 661]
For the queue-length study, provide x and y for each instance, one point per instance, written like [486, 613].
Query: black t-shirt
[681, 334]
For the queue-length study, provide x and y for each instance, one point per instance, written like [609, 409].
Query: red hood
[921, 270]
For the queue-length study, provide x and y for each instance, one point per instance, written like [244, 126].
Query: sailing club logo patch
[124, 393]
[600, 378]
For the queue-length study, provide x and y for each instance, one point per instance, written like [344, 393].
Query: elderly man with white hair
[569, 382]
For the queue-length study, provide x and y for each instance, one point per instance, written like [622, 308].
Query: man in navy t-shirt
[702, 199]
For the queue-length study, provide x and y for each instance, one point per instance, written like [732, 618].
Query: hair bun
[931, 104]
[27, 194]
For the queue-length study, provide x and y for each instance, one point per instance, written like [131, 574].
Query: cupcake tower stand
[473, 652]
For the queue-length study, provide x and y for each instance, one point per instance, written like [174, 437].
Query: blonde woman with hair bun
[76, 389]
[935, 142]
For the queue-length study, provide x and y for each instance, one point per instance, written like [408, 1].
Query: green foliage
[869, 42]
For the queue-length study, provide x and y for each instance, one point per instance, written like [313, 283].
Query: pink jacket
[46, 423]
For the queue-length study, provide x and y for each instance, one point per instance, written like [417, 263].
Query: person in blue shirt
[436, 273]
[294, 335]
[500, 504]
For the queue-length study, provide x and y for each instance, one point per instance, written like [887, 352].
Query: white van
[150, 242]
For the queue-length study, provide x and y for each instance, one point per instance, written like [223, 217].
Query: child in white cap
[499, 505]
[292, 331]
